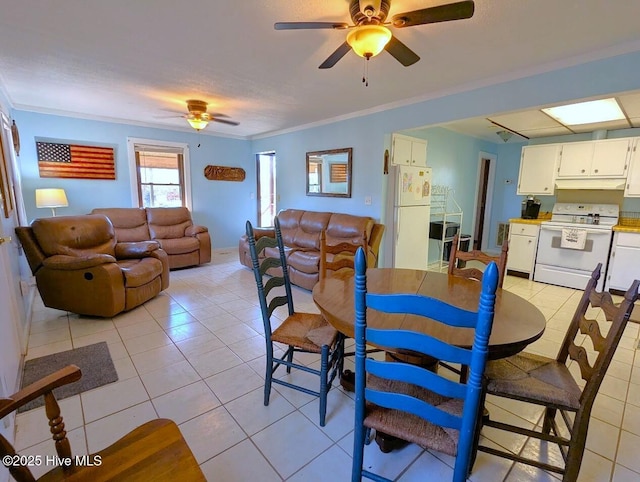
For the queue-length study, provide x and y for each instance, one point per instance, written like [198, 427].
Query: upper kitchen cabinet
[594, 159]
[632, 188]
[409, 151]
[538, 169]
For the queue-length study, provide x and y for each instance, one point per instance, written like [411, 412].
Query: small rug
[93, 360]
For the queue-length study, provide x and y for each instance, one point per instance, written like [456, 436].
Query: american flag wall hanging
[74, 161]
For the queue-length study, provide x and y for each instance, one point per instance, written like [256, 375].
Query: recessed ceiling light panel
[602, 110]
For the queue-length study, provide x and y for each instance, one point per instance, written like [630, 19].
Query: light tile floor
[195, 354]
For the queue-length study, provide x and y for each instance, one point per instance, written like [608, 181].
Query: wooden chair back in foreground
[153, 451]
[471, 272]
[548, 382]
[299, 332]
[336, 257]
[411, 402]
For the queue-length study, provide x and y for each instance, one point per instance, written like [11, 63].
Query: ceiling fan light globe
[197, 123]
[369, 40]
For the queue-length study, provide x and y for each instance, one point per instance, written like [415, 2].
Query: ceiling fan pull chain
[365, 73]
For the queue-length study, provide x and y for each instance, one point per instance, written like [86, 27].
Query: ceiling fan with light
[369, 35]
[198, 117]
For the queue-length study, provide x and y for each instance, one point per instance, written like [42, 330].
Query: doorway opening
[266, 178]
[486, 174]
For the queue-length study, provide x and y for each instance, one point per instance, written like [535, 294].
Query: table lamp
[51, 198]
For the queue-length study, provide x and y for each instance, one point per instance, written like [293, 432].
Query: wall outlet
[367, 200]
[252, 195]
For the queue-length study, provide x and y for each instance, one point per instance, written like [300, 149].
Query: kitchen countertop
[628, 225]
[541, 217]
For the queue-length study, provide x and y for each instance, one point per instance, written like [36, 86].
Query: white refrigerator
[411, 216]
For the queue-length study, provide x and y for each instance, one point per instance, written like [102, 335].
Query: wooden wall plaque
[224, 173]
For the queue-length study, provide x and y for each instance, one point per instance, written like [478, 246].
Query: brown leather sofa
[186, 244]
[301, 235]
[79, 266]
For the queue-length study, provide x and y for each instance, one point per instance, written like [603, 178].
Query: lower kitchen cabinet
[624, 261]
[523, 244]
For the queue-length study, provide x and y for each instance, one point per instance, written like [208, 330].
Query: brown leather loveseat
[301, 235]
[186, 244]
[79, 266]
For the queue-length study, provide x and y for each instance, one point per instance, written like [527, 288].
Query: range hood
[591, 183]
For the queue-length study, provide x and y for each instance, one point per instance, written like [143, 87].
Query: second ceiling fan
[369, 34]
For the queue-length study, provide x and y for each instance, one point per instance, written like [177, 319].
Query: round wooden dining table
[516, 322]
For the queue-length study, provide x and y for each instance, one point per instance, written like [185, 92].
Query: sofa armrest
[260, 232]
[195, 229]
[70, 263]
[135, 250]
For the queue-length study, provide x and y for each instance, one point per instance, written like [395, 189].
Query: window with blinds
[160, 178]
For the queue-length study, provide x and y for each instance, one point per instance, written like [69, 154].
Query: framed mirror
[329, 173]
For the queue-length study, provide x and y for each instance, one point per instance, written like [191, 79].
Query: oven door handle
[590, 231]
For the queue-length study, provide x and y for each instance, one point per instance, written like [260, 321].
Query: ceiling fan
[369, 34]
[198, 117]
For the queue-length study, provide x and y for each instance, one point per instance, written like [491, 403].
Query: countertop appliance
[573, 242]
[530, 208]
[411, 188]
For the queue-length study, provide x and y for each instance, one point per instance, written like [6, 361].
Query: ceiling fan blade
[401, 52]
[441, 13]
[217, 114]
[224, 121]
[335, 56]
[309, 25]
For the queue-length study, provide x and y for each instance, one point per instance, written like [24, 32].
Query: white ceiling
[533, 123]
[136, 62]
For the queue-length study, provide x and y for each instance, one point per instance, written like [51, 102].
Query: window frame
[134, 144]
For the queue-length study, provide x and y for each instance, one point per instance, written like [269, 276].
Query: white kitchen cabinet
[538, 169]
[409, 151]
[607, 158]
[523, 244]
[624, 261]
[632, 188]
[575, 159]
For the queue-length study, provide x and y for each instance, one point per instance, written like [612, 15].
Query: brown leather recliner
[79, 266]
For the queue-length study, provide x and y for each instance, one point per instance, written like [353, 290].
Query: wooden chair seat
[527, 375]
[154, 451]
[306, 330]
[409, 427]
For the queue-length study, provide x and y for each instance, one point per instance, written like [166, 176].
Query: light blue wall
[224, 206]
[220, 205]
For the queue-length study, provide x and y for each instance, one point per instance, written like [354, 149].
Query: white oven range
[573, 242]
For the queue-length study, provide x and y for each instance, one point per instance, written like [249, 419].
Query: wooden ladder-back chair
[411, 402]
[475, 255]
[300, 332]
[153, 451]
[336, 257]
[548, 382]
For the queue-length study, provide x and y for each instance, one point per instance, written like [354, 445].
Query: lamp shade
[197, 123]
[369, 40]
[51, 198]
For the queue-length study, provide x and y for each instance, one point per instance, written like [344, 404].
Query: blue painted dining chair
[411, 402]
[299, 332]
